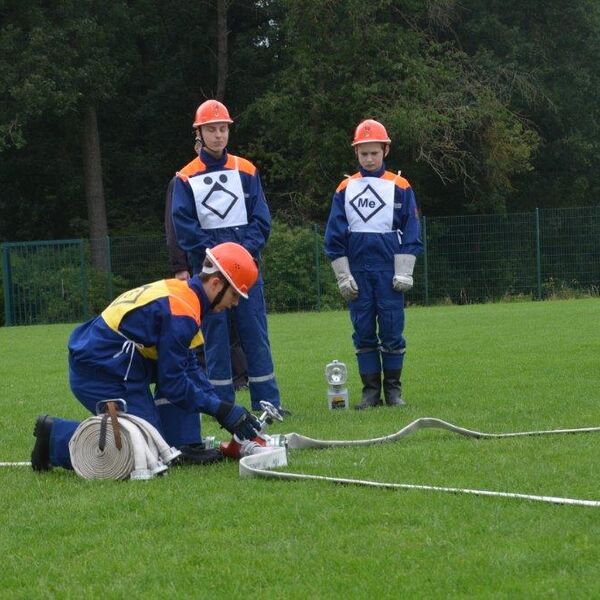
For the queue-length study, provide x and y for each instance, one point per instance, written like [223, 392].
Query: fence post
[317, 266]
[7, 284]
[425, 266]
[538, 254]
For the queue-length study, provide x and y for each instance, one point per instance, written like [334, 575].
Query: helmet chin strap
[220, 295]
[198, 141]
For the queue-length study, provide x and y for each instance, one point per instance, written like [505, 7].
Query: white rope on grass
[259, 465]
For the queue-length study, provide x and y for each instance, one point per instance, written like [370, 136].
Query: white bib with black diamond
[219, 198]
[370, 205]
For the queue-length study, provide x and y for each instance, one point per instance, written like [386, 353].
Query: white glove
[345, 281]
[403, 269]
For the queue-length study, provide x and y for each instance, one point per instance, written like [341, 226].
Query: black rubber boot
[392, 388]
[371, 392]
[40, 455]
[198, 454]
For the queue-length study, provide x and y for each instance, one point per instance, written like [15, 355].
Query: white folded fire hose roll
[143, 454]
[259, 465]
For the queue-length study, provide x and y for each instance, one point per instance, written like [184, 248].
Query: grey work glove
[403, 270]
[345, 281]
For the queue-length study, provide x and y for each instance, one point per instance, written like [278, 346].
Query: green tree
[341, 62]
[491, 106]
[550, 52]
[63, 60]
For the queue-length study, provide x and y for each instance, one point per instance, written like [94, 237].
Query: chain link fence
[467, 259]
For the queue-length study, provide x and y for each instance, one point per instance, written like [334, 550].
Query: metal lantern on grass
[336, 374]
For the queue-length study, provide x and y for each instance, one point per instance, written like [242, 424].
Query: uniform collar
[377, 173]
[210, 161]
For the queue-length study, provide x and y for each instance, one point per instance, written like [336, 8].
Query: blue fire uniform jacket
[373, 220]
[374, 217]
[216, 201]
[147, 335]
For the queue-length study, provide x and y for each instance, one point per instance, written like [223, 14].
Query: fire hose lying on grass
[260, 464]
[100, 450]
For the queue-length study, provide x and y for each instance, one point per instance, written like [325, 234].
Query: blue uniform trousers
[251, 321]
[177, 426]
[378, 319]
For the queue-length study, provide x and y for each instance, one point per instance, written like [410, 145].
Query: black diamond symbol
[219, 200]
[367, 203]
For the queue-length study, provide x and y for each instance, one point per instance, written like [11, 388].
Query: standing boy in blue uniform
[218, 197]
[148, 335]
[373, 239]
[181, 270]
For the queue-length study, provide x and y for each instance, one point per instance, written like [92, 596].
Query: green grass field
[206, 533]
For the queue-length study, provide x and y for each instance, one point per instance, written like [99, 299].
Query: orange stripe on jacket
[344, 184]
[397, 179]
[239, 163]
[196, 166]
[183, 301]
[193, 167]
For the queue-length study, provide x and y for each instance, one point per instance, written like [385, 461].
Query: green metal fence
[467, 259]
[481, 258]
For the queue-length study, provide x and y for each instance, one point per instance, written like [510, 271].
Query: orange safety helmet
[235, 263]
[370, 131]
[211, 111]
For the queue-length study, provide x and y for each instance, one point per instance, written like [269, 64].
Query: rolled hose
[143, 454]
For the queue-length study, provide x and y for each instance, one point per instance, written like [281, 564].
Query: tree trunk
[222, 58]
[94, 190]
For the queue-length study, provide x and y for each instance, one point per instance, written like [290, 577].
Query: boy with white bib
[218, 198]
[372, 239]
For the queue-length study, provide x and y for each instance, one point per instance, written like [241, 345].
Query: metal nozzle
[270, 413]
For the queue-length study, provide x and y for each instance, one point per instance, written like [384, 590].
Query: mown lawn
[206, 533]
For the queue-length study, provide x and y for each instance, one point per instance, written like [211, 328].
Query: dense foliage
[491, 106]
